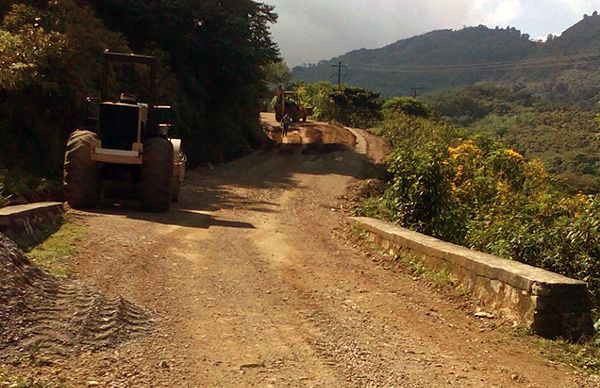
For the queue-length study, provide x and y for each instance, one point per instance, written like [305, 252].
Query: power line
[490, 66]
[442, 69]
[505, 63]
[535, 62]
[339, 73]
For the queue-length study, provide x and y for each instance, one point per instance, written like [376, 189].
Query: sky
[312, 30]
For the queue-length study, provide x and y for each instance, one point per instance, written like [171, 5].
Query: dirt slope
[252, 282]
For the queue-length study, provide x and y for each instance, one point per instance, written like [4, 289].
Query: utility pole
[415, 91]
[339, 73]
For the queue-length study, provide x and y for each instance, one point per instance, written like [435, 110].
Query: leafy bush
[347, 105]
[419, 193]
[407, 105]
[16, 185]
[401, 128]
[479, 193]
[561, 234]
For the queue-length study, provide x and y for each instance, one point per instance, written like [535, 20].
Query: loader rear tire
[80, 180]
[156, 175]
[175, 190]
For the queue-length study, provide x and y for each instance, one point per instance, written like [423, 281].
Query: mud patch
[320, 149]
[287, 149]
[41, 314]
[360, 190]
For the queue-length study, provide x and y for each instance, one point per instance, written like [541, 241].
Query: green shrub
[15, 184]
[407, 105]
[419, 193]
[347, 105]
[479, 193]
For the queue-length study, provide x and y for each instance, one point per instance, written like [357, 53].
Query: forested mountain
[212, 55]
[564, 67]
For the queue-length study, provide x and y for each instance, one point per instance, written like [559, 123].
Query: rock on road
[251, 281]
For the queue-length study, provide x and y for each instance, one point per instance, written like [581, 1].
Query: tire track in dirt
[42, 315]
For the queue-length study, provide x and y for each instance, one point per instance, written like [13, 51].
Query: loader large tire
[156, 175]
[175, 190]
[81, 184]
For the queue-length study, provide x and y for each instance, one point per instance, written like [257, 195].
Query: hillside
[563, 67]
[565, 138]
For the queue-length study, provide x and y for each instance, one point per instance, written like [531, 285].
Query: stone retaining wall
[550, 304]
[27, 223]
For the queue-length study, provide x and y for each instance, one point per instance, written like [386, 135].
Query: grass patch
[585, 355]
[360, 234]
[52, 253]
[19, 185]
[373, 208]
[438, 277]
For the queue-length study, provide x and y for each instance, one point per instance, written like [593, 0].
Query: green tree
[347, 105]
[49, 61]
[407, 105]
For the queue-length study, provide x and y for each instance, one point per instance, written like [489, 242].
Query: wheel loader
[124, 144]
[289, 103]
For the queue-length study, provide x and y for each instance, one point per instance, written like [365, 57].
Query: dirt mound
[361, 190]
[42, 314]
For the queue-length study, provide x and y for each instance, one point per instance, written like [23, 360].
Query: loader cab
[126, 115]
[125, 110]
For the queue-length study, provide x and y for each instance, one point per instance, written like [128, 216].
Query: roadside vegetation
[347, 105]
[473, 190]
[563, 136]
[18, 187]
[53, 253]
[585, 355]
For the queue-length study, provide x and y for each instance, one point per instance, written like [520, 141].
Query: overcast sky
[312, 30]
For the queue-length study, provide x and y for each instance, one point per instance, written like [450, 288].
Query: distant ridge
[562, 68]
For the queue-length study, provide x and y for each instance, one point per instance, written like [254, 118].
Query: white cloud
[312, 30]
[496, 12]
[575, 6]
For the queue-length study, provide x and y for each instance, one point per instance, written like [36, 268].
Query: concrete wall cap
[19, 209]
[517, 274]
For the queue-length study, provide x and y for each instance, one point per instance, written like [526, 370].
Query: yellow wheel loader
[125, 142]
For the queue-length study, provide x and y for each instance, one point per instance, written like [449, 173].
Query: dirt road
[252, 281]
